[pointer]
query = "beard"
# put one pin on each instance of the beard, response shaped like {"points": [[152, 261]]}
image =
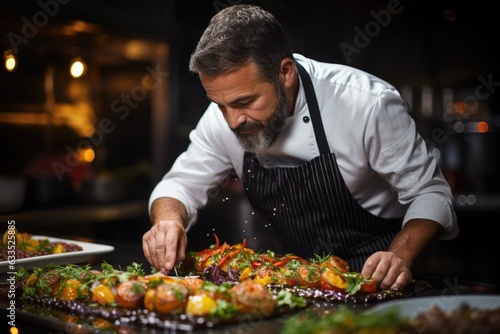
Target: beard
{"points": [[266, 133]]}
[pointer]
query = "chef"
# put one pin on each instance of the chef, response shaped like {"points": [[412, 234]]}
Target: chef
{"points": [[328, 154]]}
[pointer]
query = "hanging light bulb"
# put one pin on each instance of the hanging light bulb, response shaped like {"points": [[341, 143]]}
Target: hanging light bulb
{"points": [[10, 60], [77, 68]]}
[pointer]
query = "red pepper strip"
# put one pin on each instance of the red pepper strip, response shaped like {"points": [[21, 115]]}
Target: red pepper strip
{"points": [[221, 249], [233, 253], [287, 259], [255, 264], [267, 258], [208, 250], [224, 247], [217, 243], [282, 262], [244, 244], [209, 255]]}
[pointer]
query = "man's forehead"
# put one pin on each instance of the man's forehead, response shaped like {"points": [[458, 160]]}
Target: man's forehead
{"points": [[236, 84]]}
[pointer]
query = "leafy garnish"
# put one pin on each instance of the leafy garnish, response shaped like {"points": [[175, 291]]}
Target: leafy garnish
{"points": [[354, 281], [285, 297], [224, 309]]}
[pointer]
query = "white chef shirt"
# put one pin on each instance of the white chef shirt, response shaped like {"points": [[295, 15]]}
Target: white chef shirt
{"points": [[383, 160]]}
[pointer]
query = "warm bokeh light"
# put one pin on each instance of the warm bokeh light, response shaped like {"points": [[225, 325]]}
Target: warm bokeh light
{"points": [[10, 61], [78, 68], [86, 154], [460, 107], [482, 127]]}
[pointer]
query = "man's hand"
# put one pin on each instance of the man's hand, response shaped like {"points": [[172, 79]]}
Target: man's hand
{"points": [[165, 244], [392, 268], [388, 270]]}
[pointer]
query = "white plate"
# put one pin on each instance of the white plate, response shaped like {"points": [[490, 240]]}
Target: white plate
{"points": [[412, 306], [89, 251]]}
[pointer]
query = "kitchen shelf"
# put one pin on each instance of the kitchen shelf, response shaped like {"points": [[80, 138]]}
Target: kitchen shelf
{"points": [[80, 214]]}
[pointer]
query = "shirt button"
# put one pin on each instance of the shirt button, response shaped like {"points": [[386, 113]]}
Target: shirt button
{"points": [[306, 119]]}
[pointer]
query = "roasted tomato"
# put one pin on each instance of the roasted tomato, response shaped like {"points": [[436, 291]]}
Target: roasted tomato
{"points": [[32, 279], [332, 280], [281, 276], [369, 286], [71, 290], [102, 294], [309, 275], [200, 304], [193, 283], [130, 294], [251, 297], [148, 299], [282, 279], [170, 297], [335, 262]]}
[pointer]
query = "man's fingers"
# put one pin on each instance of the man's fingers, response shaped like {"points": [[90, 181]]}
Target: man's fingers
{"points": [[174, 245], [404, 278]]}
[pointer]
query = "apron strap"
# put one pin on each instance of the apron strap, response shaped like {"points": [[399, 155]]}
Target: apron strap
{"points": [[312, 103]]}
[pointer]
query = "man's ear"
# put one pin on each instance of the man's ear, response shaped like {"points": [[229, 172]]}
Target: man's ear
{"points": [[287, 72]]}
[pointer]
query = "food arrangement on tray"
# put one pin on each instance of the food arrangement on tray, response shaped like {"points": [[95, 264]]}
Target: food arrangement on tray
{"points": [[327, 278], [222, 284], [103, 298]]}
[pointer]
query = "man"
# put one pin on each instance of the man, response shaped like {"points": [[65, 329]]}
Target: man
{"points": [[327, 153]]}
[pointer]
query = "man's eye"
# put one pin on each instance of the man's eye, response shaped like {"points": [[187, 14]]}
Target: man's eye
{"points": [[243, 104]]}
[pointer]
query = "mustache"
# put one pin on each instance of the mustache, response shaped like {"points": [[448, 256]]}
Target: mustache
{"points": [[249, 126]]}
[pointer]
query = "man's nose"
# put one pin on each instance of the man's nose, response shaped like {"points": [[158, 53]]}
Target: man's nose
{"points": [[234, 117]]}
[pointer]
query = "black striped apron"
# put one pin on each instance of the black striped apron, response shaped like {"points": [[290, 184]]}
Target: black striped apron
{"points": [[310, 208]]}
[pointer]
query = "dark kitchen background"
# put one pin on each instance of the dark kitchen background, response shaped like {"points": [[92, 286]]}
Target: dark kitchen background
{"points": [[79, 156]]}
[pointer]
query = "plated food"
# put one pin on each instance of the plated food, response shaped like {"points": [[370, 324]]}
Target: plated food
{"points": [[471, 314], [23, 245], [134, 298], [323, 277], [27, 251]]}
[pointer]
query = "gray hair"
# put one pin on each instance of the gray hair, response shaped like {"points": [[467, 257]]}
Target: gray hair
{"points": [[239, 34]]}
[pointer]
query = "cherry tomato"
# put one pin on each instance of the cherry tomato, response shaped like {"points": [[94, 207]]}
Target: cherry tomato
{"points": [[251, 297], [193, 283], [285, 280], [265, 271], [103, 294], [370, 286], [170, 297], [200, 304], [70, 290], [278, 277], [332, 280], [309, 276], [335, 262], [130, 294], [32, 279], [148, 299]]}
